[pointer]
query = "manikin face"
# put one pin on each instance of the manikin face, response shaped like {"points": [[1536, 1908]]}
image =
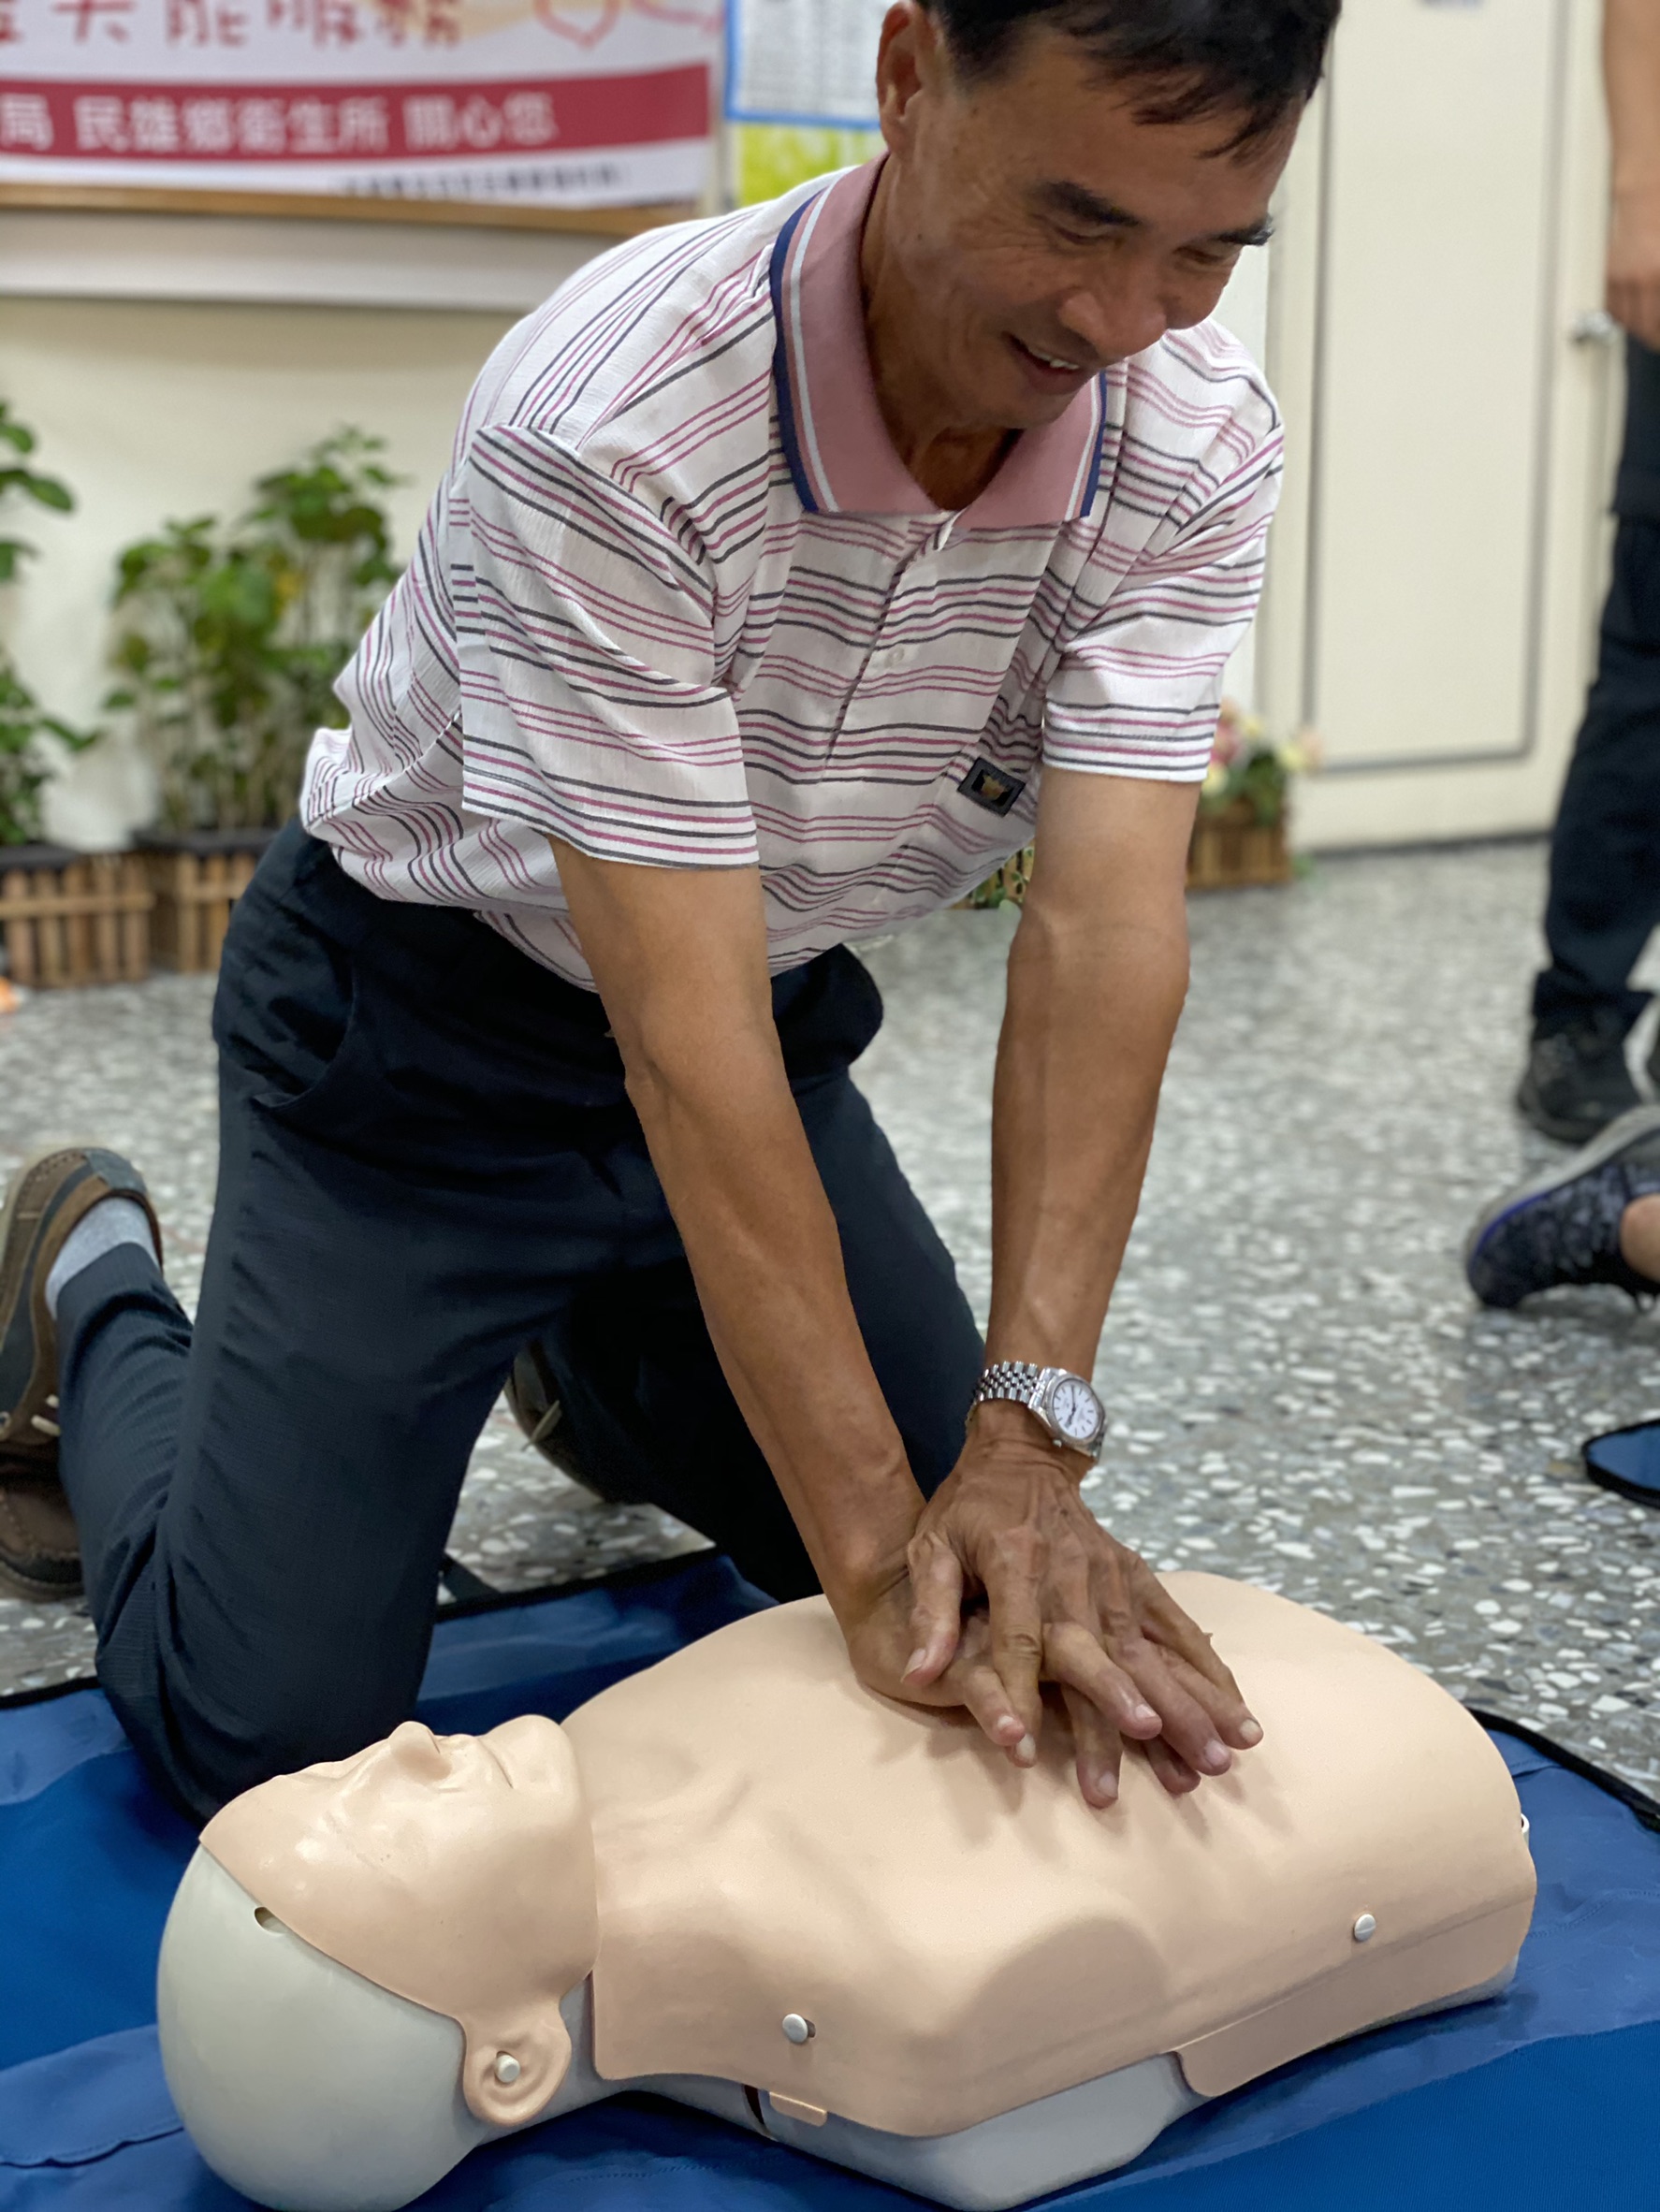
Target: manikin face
{"points": [[455, 1871], [416, 1787], [1043, 228]]}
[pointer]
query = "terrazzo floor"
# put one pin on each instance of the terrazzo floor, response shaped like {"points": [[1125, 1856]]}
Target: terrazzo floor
{"points": [[1301, 1390]]}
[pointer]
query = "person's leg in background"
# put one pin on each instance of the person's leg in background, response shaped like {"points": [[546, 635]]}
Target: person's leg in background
{"points": [[1639, 1236], [1595, 1219], [1592, 1218], [1603, 900], [645, 1412]]}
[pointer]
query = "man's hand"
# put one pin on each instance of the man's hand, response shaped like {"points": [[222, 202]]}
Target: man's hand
{"points": [[1065, 1604]]}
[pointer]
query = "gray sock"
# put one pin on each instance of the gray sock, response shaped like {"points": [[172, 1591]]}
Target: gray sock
{"points": [[111, 1222]]}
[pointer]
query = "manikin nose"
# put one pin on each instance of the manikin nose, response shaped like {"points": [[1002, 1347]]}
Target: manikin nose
{"points": [[414, 1746]]}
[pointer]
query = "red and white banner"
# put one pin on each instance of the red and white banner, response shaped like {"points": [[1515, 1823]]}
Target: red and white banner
{"points": [[561, 102]]}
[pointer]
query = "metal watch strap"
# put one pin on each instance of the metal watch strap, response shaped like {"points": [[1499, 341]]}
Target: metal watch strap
{"points": [[1035, 1388], [1008, 1379]]}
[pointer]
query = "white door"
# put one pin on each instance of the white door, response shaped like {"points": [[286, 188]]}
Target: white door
{"points": [[1434, 577]]}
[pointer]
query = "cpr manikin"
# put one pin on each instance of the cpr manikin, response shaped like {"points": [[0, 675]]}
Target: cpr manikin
{"points": [[744, 1880]]}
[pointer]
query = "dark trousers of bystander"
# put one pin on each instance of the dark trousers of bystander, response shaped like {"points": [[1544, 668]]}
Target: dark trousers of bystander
{"points": [[427, 1158], [1605, 855]]}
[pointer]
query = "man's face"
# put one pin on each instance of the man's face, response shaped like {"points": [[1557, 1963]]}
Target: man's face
{"points": [[1044, 231]]}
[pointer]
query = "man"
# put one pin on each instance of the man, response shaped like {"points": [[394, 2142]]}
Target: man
{"points": [[793, 567], [1604, 899]]}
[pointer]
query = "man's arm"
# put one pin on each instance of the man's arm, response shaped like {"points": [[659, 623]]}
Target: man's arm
{"points": [[680, 956], [1097, 978], [1631, 73]]}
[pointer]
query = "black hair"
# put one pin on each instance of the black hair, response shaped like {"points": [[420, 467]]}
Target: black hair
{"points": [[1259, 60]]}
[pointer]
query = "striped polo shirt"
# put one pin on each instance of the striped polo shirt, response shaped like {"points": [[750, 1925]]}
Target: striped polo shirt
{"points": [[679, 603]]}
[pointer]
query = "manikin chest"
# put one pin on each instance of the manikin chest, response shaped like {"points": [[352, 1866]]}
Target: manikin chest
{"points": [[774, 1844]]}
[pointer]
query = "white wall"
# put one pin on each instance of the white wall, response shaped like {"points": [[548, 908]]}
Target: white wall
{"points": [[152, 410]]}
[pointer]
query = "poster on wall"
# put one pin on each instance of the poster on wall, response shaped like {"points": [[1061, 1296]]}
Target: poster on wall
{"points": [[805, 62], [571, 103], [800, 90]]}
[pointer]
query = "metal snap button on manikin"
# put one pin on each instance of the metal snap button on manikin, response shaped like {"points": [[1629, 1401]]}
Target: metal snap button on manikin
{"points": [[507, 2069], [797, 2029], [1364, 1929]]}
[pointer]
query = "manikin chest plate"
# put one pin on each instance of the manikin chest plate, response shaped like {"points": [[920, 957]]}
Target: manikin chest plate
{"points": [[773, 1841]]}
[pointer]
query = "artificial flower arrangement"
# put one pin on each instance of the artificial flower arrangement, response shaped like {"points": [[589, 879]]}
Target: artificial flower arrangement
{"points": [[1247, 764]]}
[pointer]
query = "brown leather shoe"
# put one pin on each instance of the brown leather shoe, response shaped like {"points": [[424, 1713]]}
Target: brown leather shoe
{"points": [[40, 1550], [40, 1553]]}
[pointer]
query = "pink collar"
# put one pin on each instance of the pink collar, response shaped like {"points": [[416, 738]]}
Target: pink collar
{"points": [[835, 440]]}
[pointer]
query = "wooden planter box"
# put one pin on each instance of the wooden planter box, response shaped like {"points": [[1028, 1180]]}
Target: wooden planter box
{"points": [[69, 918], [196, 877], [1230, 849]]}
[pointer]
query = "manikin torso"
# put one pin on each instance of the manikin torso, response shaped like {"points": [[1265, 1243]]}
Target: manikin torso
{"points": [[740, 1878]]}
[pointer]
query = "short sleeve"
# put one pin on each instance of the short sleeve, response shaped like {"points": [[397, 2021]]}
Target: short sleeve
{"points": [[589, 707], [1137, 690]]}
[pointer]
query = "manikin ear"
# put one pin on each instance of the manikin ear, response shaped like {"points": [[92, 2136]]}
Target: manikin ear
{"points": [[507, 2077]]}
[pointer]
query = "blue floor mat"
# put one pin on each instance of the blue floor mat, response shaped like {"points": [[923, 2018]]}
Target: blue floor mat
{"points": [[1520, 2103]]}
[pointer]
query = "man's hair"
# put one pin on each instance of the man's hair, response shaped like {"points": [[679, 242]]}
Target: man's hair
{"points": [[1259, 60]]}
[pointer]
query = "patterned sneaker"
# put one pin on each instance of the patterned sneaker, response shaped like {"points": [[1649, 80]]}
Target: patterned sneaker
{"points": [[1564, 1227], [40, 1552]]}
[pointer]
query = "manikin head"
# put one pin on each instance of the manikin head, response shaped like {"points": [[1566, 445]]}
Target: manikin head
{"points": [[409, 1919]]}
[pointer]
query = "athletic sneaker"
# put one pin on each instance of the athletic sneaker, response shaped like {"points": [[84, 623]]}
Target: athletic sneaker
{"points": [[40, 1551], [1564, 1227], [1575, 1081]]}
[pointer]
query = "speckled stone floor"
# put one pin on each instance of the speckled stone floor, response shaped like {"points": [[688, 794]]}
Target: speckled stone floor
{"points": [[1301, 1390]]}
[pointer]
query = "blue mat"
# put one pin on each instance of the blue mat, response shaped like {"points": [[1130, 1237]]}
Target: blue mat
{"points": [[1522, 2103]]}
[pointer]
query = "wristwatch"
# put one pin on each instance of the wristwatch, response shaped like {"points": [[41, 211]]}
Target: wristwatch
{"points": [[1065, 1403]]}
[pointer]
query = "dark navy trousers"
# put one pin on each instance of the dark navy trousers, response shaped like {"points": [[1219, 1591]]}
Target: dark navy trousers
{"points": [[427, 1158], [1605, 854]]}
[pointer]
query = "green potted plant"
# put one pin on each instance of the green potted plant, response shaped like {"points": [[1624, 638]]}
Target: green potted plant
{"points": [[64, 916], [229, 641]]}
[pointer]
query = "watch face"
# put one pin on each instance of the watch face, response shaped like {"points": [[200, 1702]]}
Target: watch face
{"points": [[1075, 1409]]}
